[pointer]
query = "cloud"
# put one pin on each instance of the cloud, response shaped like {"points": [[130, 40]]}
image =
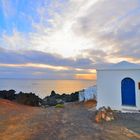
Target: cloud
{"points": [[38, 57], [37, 71], [76, 28], [16, 41], [114, 28], [56, 34], [28, 72], [76, 34], [37, 64]]}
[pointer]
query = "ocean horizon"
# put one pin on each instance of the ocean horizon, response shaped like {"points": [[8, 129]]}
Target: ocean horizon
{"points": [[43, 87]]}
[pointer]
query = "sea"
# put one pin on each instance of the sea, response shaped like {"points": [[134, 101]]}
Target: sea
{"points": [[43, 87]]}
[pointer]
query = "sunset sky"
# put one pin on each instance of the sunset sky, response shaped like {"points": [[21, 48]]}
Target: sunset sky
{"points": [[66, 39]]}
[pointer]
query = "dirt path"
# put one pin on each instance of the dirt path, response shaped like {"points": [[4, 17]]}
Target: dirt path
{"points": [[77, 123], [14, 120], [73, 122]]}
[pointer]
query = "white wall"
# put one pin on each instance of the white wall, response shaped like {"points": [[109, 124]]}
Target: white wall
{"points": [[109, 87], [88, 93]]}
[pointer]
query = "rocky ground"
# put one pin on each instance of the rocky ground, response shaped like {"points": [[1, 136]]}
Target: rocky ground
{"points": [[76, 121]]}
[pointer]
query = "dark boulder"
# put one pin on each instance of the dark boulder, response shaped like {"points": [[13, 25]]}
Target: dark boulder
{"points": [[53, 93], [74, 96], [9, 95], [60, 101], [66, 97], [50, 101], [70, 97], [22, 98], [54, 98], [28, 99]]}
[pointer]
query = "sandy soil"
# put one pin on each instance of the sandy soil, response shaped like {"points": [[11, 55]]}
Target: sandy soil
{"points": [[73, 122]]}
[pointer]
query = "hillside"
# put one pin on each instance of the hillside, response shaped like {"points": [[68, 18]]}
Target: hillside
{"points": [[73, 122]]}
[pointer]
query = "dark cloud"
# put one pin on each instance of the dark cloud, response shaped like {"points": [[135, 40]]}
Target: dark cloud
{"points": [[11, 57], [29, 72], [38, 57]]}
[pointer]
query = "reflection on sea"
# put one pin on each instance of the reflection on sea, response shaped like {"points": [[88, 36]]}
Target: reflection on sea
{"points": [[44, 87]]}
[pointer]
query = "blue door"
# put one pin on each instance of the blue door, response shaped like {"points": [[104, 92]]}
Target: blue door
{"points": [[128, 92]]}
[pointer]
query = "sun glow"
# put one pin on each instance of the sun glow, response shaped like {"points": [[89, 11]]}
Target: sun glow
{"points": [[35, 66], [67, 43], [86, 76]]}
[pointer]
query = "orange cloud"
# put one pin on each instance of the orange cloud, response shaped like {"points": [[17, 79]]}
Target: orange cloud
{"points": [[35, 66], [86, 76]]}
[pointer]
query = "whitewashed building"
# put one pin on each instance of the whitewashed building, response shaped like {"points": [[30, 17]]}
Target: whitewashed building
{"points": [[87, 93], [118, 87]]}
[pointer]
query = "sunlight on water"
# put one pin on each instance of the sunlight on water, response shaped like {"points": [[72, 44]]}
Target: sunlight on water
{"points": [[44, 87]]}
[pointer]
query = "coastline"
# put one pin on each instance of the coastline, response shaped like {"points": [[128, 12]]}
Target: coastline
{"points": [[43, 88], [33, 100]]}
